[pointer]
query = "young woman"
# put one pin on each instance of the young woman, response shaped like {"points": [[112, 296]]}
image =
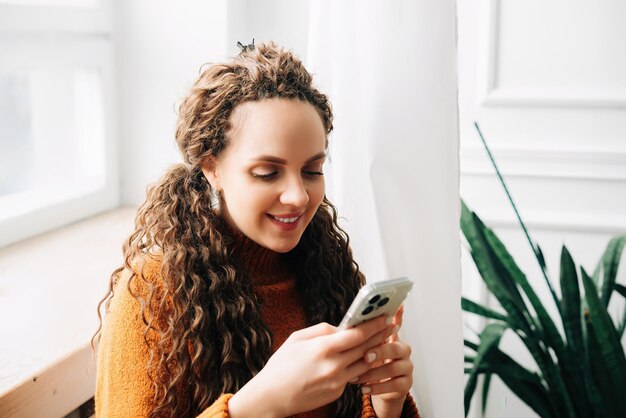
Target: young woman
{"points": [[237, 273]]}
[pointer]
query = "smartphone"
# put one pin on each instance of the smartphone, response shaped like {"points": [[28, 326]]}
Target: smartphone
{"points": [[376, 299]]}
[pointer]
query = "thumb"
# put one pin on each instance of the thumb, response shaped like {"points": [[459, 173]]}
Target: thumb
{"points": [[397, 320], [323, 328]]}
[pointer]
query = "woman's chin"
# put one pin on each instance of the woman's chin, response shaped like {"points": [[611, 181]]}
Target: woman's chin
{"points": [[282, 244], [282, 247]]}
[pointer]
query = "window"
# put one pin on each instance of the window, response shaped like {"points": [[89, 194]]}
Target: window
{"points": [[57, 142]]}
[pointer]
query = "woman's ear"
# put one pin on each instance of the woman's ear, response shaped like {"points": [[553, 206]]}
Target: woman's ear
{"points": [[209, 169]]}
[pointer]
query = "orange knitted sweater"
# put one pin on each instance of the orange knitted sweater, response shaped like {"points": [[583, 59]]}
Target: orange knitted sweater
{"points": [[123, 388]]}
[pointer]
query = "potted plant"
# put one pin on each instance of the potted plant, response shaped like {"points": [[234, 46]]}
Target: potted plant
{"points": [[581, 371]]}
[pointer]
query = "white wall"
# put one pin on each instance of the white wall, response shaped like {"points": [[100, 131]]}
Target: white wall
{"points": [[160, 48], [547, 83], [284, 22]]}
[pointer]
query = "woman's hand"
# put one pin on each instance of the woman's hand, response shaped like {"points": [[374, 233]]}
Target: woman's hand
{"points": [[309, 370], [391, 378]]}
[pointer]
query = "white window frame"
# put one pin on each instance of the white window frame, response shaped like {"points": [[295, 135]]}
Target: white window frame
{"points": [[65, 33]]}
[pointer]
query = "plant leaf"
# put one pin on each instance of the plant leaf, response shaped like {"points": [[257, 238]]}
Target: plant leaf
{"points": [[469, 359], [499, 284], [603, 400], [476, 308], [489, 339], [540, 258], [470, 344], [486, 262], [534, 247], [485, 394], [500, 274], [526, 385], [571, 313], [608, 342], [571, 303], [570, 390], [610, 261], [622, 291]]}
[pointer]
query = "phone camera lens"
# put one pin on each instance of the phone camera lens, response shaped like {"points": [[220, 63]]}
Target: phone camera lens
{"points": [[367, 310], [374, 299], [383, 302]]}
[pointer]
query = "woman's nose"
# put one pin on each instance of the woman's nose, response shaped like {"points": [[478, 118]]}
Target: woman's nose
{"points": [[295, 194]]}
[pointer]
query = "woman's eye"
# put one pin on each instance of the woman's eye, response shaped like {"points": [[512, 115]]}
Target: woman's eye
{"points": [[264, 176], [274, 174]]}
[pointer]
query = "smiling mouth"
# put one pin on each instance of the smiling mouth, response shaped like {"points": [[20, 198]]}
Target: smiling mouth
{"points": [[289, 220]]}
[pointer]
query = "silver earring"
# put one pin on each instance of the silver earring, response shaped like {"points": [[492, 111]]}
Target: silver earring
{"points": [[216, 200]]}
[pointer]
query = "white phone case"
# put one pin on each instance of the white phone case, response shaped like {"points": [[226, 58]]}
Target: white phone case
{"points": [[377, 299]]}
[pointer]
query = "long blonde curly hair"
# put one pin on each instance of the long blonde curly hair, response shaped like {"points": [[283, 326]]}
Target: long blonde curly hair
{"points": [[214, 340]]}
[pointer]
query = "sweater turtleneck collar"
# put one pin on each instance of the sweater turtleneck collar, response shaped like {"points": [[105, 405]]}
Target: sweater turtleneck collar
{"points": [[263, 266]]}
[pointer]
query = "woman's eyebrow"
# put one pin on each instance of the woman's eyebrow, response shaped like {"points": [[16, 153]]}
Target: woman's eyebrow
{"points": [[317, 156], [277, 160]]}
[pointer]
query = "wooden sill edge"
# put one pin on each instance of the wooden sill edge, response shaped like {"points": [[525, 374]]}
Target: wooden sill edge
{"points": [[56, 391]]}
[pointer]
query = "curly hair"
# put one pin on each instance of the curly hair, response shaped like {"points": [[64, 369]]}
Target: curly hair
{"points": [[213, 340]]}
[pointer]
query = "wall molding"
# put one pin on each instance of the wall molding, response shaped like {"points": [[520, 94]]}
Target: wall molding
{"points": [[512, 97], [568, 164], [552, 221], [492, 94]]}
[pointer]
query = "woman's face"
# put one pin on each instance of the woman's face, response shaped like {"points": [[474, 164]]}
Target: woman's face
{"points": [[270, 174]]}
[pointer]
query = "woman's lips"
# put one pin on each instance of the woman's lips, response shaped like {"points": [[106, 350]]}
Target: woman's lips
{"points": [[286, 222]]}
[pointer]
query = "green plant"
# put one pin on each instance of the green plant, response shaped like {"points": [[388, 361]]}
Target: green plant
{"points": [[581, 371]]}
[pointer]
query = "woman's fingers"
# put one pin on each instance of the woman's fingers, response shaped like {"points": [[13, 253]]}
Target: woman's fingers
{"points": [[397, 320], [313, 331], [356, 370], [357, 352], [399, 385], [360, 370], [389, 351], [386, 361], [390, 370], [347, 348], [394, 376], [344, 340], [358, 334]]}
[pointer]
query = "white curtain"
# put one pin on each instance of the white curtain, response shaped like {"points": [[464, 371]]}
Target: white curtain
{"points": [[390, 70]]}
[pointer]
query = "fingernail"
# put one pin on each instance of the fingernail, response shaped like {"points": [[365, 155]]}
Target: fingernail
{"points": [[395, 329], [366, 389], [356, 379], [371, 356]]}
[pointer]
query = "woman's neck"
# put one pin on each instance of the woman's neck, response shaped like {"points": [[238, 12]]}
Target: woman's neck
{"points": [[262, 265]]}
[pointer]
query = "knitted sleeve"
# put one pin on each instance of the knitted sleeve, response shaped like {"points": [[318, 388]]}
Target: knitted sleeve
{"points": [[409, 409], [219, 409], [122, 384], [123, 387]]}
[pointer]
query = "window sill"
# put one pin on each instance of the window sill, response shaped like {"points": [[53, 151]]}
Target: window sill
{"points": [[50, 286]]}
